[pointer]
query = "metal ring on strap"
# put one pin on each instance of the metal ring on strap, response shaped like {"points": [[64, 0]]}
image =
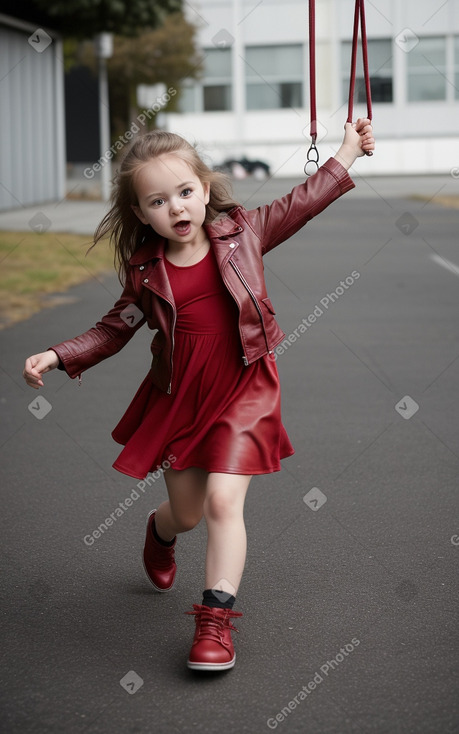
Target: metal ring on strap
{"points": [[312, 160]]}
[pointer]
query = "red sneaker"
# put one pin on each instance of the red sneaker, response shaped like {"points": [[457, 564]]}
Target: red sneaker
{"points": [[212, 647], [158, 560]]}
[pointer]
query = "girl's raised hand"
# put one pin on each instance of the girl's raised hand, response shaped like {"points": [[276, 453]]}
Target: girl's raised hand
{"points": [[37, 365], [365, 142], [358, 140]]}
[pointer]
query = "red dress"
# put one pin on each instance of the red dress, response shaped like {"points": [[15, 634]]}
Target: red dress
{"points": [[212, 417]]}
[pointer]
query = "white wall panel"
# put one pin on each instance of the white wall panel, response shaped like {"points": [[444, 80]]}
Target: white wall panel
{"points": [[32, 158]]}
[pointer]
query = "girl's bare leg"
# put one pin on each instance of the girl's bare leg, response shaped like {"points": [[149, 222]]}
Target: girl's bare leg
{"points": [[184, 508], [227, 540]]}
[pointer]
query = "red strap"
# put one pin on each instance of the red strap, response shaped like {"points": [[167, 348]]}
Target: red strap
{"points": [[366, 67], [359, 14], [312, 68]]}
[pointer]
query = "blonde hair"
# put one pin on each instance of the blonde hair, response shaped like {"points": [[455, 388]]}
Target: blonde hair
{"points": [[126, 231]]}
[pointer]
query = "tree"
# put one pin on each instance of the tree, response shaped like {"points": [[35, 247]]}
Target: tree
{"points": [[87, 18], [166, 55]]}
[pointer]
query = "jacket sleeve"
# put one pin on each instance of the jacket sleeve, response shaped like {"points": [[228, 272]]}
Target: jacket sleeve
{"points": [[276, 222], [106, 338]]}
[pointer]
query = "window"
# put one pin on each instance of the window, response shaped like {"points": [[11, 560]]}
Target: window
{"points": [[189, 97], [212, 93], [217, 80], [274, 77], [217, 98], [426, 64], [380, 65]]}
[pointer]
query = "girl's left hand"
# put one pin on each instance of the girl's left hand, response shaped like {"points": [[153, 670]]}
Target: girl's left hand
{"points": [[358, 140], [359, 135]]}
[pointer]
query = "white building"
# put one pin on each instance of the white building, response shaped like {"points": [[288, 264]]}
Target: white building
{"points": [[253, 98]]}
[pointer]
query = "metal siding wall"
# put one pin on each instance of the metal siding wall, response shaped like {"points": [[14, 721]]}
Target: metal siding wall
{"points": [[59, 142], [5, 127], [32, 152]]}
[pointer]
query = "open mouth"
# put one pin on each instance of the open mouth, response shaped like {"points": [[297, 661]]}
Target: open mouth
{"points": [[183, 227]]}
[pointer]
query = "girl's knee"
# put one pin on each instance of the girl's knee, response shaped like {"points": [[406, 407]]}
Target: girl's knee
{"points": [[221, 505], [187, 522]]}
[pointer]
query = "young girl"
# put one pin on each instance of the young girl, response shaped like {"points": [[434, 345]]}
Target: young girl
{"points": [[208, 412]]}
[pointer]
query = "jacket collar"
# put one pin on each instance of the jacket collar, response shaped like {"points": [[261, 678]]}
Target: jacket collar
{"points": [[152, 248], [222, 226]]}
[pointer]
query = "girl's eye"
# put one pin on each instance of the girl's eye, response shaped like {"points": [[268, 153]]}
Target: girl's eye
{"points": [[187, 192], [158, 202]]}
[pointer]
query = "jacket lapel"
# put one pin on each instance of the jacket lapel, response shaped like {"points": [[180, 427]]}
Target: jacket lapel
{"points": [[220, 233], [150, 258]]}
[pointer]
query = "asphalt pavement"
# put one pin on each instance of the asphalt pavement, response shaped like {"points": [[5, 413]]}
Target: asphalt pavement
{"points": [[350, 590]]}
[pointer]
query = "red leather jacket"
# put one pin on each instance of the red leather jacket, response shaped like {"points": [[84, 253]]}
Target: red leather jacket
{"points": [[239, 240]]}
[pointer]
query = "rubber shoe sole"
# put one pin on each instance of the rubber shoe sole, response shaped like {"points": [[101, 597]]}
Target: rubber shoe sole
{"points": [[213, 666]]}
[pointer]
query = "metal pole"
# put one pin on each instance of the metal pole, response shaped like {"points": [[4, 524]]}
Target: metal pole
{"points": [[104, 48], [104, 127]]}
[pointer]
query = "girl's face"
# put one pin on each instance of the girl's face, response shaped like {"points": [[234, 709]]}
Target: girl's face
{"points": [[171, 199]]}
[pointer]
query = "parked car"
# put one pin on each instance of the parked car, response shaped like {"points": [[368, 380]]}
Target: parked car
{"points": [[241, 168]]}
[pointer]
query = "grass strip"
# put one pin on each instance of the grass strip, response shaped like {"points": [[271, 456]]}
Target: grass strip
{"points": [[37, 269]]}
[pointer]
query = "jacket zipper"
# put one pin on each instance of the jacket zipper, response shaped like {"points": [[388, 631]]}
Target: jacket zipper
{"points": [[244, 358], [254, 299], [169, 389]]}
